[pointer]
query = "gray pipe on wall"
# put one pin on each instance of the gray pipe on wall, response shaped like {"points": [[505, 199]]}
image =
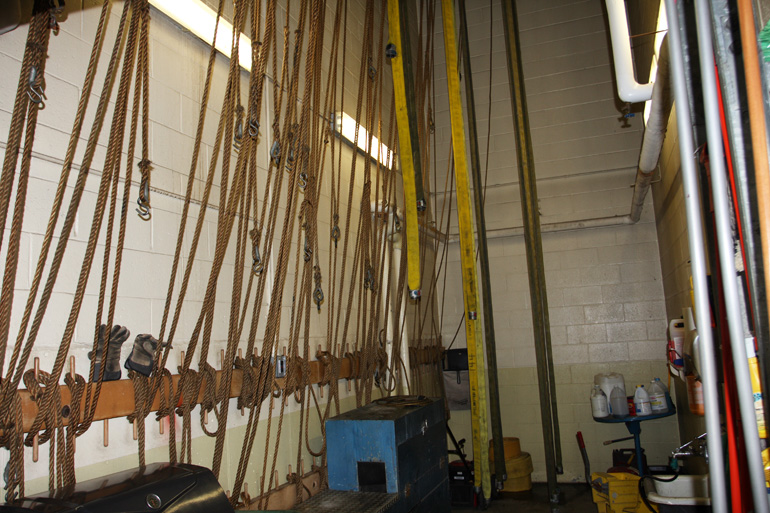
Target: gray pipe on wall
{"points": [[654, 133]]}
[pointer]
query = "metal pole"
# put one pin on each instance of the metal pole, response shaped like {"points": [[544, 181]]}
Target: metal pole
{"points": [[734, 105], [726, 248], [535, 266], [481, 231], [698, 264]]}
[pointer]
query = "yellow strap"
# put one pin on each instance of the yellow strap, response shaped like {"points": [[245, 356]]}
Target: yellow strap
{"points": [[476, 368], [405, 151]]}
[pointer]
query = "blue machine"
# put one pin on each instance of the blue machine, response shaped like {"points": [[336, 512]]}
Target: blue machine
{"points": [[396, 445]]}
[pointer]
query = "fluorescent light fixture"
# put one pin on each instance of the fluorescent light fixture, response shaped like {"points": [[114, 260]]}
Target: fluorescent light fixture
{"points": [[200, 19], [660, 31], [346, 127]]}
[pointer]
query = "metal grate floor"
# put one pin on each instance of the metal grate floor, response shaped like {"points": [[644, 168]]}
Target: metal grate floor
{"points": [[336, 501]]}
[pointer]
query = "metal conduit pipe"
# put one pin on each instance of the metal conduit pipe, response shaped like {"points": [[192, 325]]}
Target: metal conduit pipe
{"points": [[654, 133], [534, 250], [726, 248], [698, 262]]}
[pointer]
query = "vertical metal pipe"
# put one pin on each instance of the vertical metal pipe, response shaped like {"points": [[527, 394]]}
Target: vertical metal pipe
{"points": [[726, 248], [698, 263], [533, 240], [734, 105], [481, 232]]}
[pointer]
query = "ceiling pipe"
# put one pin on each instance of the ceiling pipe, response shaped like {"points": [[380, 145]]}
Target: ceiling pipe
{"points": [[629, 90], [652, 142], [654, 133]]}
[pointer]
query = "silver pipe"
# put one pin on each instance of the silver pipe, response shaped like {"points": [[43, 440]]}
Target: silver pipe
{"points": [[726, 248], [698, 262], [564, 226]]}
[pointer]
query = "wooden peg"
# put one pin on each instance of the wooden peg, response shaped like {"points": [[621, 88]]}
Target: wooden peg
{"points": [[136, 430], [222, 359], [227, 493], [205, 416], [106, 432], [240, 355], [36, 438], [72, 367], [289, 470], [245, 494], [275, 478], [160, 425], [302, 467]]}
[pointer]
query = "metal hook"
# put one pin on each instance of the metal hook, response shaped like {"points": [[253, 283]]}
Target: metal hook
{"points": [[290, 160], [335, 231], [308, 250], [238, 137], [275, 152], [318, 294], [143, 201], [35, 93], [369, 280], [256, 266], [302, 181], [253, 127]]}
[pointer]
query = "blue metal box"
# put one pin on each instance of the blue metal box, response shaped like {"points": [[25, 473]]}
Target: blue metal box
{"points": [[395, 445]]}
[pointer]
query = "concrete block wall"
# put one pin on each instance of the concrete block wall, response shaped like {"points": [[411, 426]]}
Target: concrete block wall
{"points": [[177, 73], [605, 291], [675, 255]]}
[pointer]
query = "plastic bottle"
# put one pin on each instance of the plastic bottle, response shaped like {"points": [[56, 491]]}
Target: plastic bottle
{"points": [[658, 401], [599, 406], [642, 401], [618, 403]]}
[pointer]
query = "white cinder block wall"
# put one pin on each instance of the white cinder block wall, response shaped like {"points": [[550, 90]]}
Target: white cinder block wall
{"points": [[605, 293], [177, 72]]}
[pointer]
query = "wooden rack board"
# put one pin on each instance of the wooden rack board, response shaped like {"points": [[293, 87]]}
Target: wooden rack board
{"points": [[117, 397]]}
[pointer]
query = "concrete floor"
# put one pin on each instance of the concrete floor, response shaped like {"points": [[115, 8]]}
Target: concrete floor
{"points": [[577, 499]]}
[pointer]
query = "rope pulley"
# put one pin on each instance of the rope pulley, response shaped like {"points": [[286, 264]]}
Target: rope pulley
{"points": [[143, 201], [372, 70], [318, 294]]}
